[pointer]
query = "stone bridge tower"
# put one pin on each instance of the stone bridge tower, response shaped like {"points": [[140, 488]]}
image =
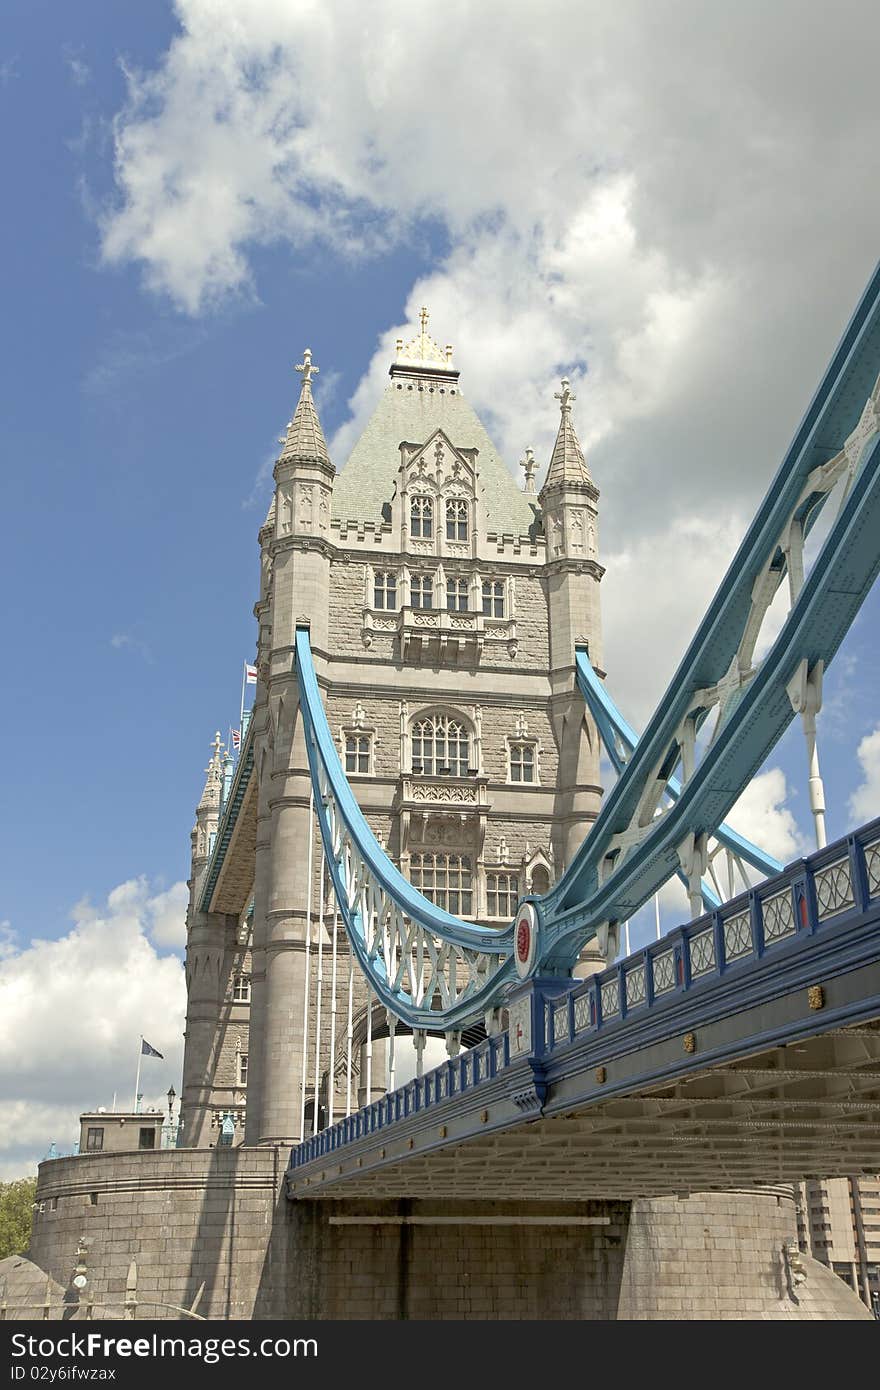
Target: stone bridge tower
{"points": [[444, 603]]}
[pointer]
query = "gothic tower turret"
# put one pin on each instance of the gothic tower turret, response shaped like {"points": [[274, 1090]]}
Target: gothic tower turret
{"points": [[208, 941], [296, 586], [569, 501]]}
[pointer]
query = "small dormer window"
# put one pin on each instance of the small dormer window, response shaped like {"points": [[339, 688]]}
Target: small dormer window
{"points": [[456, 595], [493, 598], [385, 590], [456, 520], [421, 518]]}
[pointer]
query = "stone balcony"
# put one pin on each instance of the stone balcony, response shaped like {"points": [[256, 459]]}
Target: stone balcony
{"points": [[434, 634], [432, 800]]}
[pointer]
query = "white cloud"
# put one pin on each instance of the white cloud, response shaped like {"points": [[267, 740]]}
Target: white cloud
{"points": [[763, 817], [121, 641], [864, 804], [167, 914], [80, 72], [640, 196], [72, 1010]]}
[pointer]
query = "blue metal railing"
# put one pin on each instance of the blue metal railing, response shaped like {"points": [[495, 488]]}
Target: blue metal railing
{"points": [[810, 899]]}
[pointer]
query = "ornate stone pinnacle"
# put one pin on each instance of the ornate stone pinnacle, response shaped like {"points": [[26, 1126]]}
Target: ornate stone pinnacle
{"points": [[305, 366], [566, 395], [423, 350], [530, 468], [216, 745]]}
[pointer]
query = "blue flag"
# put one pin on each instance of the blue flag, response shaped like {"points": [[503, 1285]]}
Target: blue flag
{"points": [[147, 1051]]}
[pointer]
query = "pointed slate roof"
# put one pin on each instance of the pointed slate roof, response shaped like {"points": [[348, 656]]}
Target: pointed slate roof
{"points": [[406, 413], [567, 462], [422, 397], [305, 439]]}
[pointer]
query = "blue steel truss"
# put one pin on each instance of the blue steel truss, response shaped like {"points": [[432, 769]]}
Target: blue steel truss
{"points": [[620, 741], [433, 970]]}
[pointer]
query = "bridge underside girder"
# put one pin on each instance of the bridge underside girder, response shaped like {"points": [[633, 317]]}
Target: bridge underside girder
{"points": [[808, 1109]]}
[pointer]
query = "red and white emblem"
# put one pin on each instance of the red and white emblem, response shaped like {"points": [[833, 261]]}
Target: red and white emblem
{"points": [[525, 939]]}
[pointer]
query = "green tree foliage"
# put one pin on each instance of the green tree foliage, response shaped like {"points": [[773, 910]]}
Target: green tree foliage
{"points": [[16, 1215]]}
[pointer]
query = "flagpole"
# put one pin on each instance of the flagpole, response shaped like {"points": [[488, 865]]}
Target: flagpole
{"points": [[241, 705], [137, 1083]]}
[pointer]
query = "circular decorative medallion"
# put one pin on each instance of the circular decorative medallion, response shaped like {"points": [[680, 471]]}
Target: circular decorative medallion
{"points": [[525, 939]]}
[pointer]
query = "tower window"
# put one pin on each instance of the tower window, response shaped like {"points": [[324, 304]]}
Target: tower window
{"points": [[385, 590], [146, 1138], [242, 1068], [241, 989], [421, 518], [422, 591], [522, 762], [445, 880], [502, 894], [493, 598], [94, 1139], [456, 595], [357, 753], [440, 746], [456, 520]]}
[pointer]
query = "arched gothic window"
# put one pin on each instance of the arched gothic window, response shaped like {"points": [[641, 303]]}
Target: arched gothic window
{"points": [[441, 746], [421, 518], [456, 519]]}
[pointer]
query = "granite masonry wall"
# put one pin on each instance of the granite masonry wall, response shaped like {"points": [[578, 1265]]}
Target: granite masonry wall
{"points": [[219, 1217]]}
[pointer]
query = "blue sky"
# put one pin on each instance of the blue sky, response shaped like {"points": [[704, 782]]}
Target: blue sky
{"points": [[196, 193]]}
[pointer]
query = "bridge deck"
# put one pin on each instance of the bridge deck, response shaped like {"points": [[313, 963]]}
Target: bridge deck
{"points": [[743, 1049]]}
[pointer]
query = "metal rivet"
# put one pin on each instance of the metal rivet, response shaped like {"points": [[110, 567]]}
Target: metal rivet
{"points": [[442, 1131], [484, 1116], [816, 997], [410, 1143], [601, 1074], [689, 1042]]}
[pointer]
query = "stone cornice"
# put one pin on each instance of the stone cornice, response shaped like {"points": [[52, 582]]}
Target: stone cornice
{"points": [[571, 565]]}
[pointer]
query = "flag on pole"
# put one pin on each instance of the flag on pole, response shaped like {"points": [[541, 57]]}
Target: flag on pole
{"points": [[148, 1051], [250, 674], [236, 737]]}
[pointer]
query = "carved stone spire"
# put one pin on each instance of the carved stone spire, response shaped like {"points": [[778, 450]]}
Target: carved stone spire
{"points": [[211, 794], [567, 463], [305, 439]]}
